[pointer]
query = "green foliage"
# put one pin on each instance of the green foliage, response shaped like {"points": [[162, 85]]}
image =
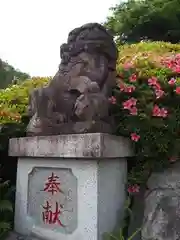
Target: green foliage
{"points": [[13, 122], [8, 75], [14, 100], [153, 122], [121, 237], [148, 76], [156, 20], [6, 209], [159, 136], [13, 109]]}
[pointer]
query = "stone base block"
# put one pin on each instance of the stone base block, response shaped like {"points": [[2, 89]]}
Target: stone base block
{"points": [[76, 191]]}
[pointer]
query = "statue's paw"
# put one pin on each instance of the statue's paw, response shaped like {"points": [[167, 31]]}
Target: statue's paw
{"points": [[94, 87], [81, 104], [61, 118]]}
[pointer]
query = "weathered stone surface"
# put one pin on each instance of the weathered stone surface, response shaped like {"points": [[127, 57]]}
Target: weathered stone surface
{"points": [[71, 146], [17, 236], [101, 182], [162, 206], [35, 235], [76, 99], [52, 199], [101, 197]]}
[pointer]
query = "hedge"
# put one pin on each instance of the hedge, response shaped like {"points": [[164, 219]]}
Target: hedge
{"points": [[146, 103]]}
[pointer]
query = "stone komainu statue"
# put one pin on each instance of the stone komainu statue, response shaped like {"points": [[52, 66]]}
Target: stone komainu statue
{"points": [[76, 99]]}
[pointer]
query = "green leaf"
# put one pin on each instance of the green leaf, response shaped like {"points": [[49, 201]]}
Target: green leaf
{"points": [[113, 237], [134, 234], [5, 205], [121, 237], [127, 202], [4, 184], [4, 226]]}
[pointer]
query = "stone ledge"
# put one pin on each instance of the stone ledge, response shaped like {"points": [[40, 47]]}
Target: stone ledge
{"points": [[17, 236], [93, 145]]}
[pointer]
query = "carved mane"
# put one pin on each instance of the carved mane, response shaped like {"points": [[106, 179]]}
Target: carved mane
{"points": [[81, 86]]}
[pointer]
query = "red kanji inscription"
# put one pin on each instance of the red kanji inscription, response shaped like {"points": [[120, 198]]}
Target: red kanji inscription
{"points": [[52, 185], [50, 217]]}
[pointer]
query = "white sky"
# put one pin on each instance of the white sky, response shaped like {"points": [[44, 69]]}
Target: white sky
{"points": [[31, 31]]}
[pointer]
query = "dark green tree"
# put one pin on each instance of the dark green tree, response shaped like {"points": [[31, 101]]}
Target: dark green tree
{"points": [[9, 75], [136, 20]]}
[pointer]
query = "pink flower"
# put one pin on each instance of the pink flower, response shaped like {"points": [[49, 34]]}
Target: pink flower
{"points": [[131, 106], [172, 81], [156, 111], [133, 78], [133, 101], [129, 89], [135, 137], [157, 86], [159, 112], [177, 90], [173, 63], [163, 112], [177, 69], [170, 65], [122, 87], [127, 66], [112, 100], [134, 188], [133, 111], [152, 81], [159, 93], [129, 103]]}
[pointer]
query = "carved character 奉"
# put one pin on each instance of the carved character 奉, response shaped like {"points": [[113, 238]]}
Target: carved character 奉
{"points": [[76, 99]]}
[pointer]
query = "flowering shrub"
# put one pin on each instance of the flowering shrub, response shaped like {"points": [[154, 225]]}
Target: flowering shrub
{"points": [[145, 102], [13, 112], [147, 105], [14, 100]]}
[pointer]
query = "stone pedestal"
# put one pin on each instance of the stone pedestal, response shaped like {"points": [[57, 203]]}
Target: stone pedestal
{"points": [[70, 187]]}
